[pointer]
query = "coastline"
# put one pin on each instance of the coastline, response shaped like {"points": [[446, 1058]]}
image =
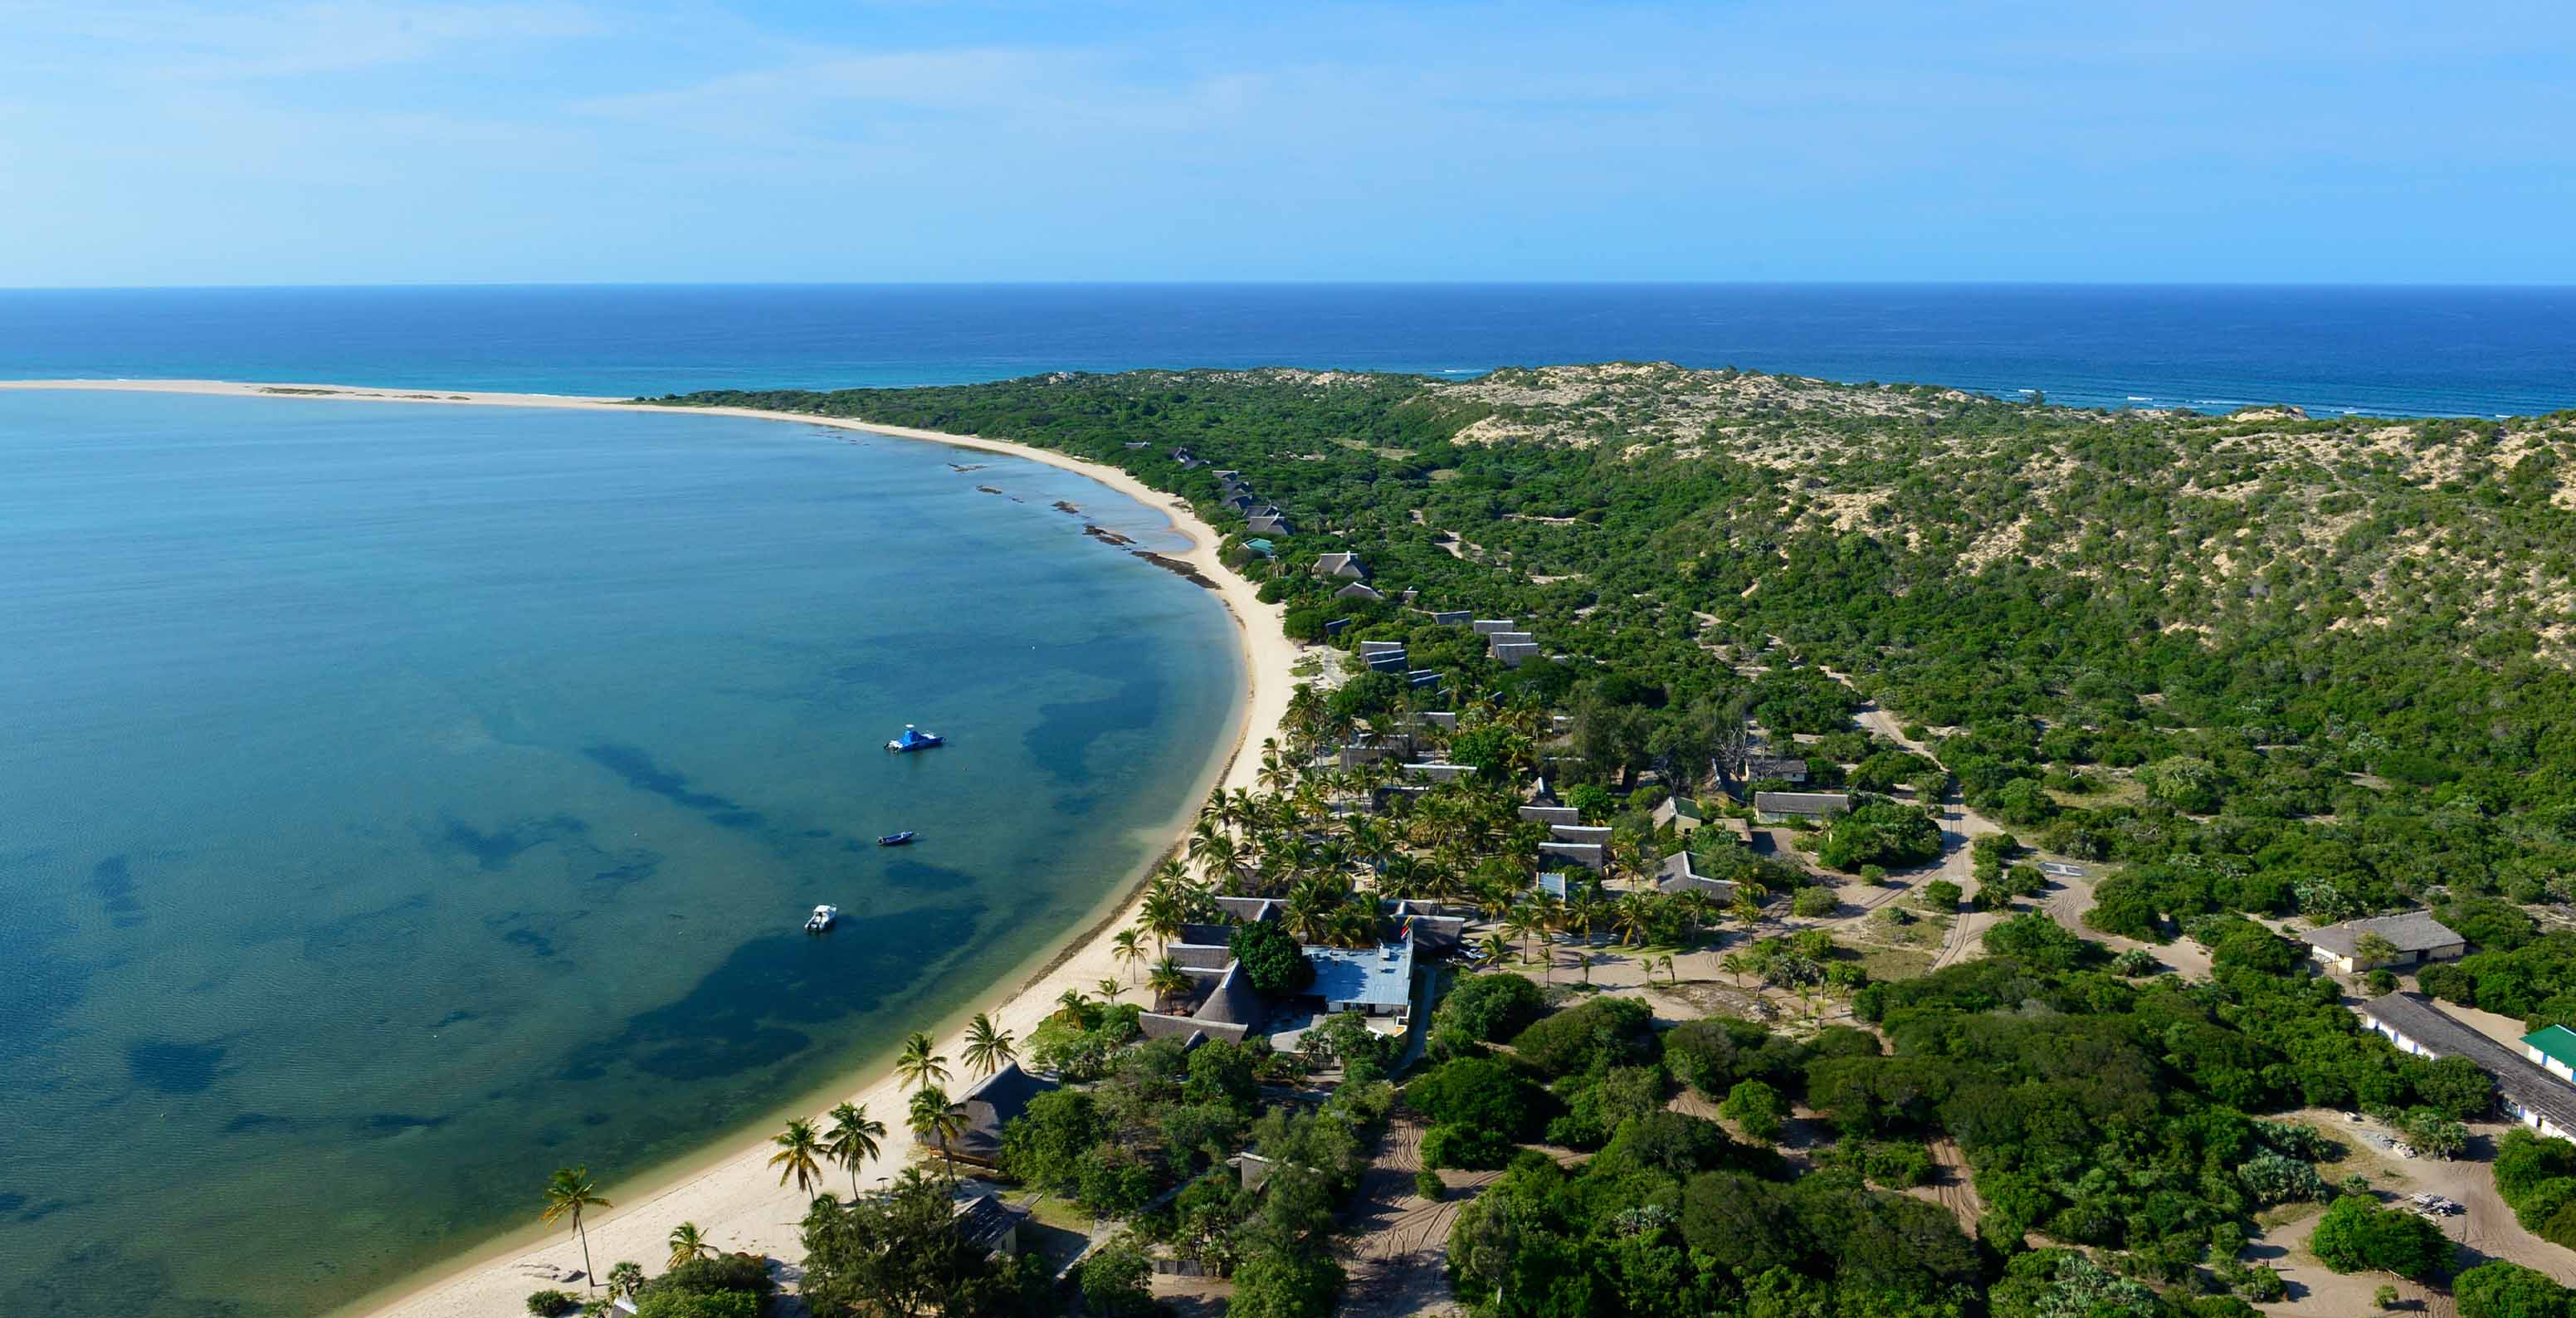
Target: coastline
{"points": [[726, 1187]]}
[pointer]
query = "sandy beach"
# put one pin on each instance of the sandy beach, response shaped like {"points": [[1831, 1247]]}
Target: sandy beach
{"points": [[729, 1191]]}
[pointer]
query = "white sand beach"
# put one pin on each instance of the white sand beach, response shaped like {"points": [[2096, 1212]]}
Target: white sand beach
{"points": [[730, 1192]]}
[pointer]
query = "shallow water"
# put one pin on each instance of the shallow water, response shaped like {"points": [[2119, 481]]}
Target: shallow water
{"points": [[398, 802]]}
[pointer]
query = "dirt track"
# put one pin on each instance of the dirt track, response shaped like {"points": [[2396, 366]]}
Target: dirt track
{"points": [[1395, 1245]]}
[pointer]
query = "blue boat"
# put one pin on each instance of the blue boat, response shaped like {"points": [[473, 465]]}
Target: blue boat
{"points": [[914, 739], [902, 839]]}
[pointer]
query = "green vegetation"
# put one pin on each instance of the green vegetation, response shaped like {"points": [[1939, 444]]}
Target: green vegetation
{"points": [[1272, 958]]}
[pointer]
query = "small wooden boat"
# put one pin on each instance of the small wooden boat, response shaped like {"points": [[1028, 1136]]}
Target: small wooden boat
{"points": [[902, 839]]}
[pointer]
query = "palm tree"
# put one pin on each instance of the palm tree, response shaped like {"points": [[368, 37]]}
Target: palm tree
{"points": [[1128, 946], [1667, 961], [1163, 914], [1632, 916], [1521, 926], [989, 1047], [687, 1243], [625, 1280], [853, 1140], [798, 1148], [1734, 964], [919, 1065], [568, 1193], [1168, 981], [936, 1119], [1072, 1008], [1494, 946]]}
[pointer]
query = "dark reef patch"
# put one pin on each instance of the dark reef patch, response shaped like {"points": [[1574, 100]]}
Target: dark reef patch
{"points": [[914, 876], [170, 1067], [531, 940], [395, 1123], [497, 849], [744, 1014], [358, 935], [250, 1121], [643, 774], [112, 882]]}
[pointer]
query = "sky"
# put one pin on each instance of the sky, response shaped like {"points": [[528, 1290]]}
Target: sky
{"points": [[180, 142]]}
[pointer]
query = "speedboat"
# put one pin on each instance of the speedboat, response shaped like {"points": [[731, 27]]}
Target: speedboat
{"points": [[914, 739], [822, 919], [903, 838]]}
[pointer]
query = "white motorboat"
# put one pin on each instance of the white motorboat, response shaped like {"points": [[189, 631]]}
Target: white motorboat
{"points": [[822, 919]]}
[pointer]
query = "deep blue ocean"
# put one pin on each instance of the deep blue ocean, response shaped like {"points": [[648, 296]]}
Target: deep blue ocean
{"points": [[2389, 351]]}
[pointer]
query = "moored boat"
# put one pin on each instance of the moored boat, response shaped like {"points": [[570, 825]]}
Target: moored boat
{"points": [[902, 839], [823, 918], [914, 739]]}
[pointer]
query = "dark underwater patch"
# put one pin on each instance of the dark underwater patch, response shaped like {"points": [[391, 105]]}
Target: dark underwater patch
{"points": [[250, 1121], [914, 876], [169, 1067], [745, 1013], [395, 1123], [531, 940], [1062, 738], [644, 775], [497, 849], [357, 935], [112, 881], [638, 866]]}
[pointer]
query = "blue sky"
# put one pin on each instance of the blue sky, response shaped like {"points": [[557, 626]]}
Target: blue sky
{"points": [[361, 142]]}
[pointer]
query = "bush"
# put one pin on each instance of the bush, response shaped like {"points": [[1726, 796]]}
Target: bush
{"points": [[1115, 1280], [2358, 1235], [1483, 1009], [698, 1304], [1756, 1108], [1427, 1184], [2510, 1290], [1880, 833], [2035, 939], [1468, 1147], [1479, 1107], [1603, 1031], [1712, 1054], [1271, 958], [548, 1304], [720, 1272], [2255, 1282], [1814, 901], [1942, 895]]}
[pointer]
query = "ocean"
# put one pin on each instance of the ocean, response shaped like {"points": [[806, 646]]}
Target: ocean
{"points": [[2387, 351], [404, 801]]}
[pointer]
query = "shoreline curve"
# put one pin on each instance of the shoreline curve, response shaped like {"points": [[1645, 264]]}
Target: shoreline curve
{"points": [[725, 1186]]}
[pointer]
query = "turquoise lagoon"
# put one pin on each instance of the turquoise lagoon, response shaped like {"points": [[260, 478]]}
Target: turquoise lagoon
{"points": [[400, 801]]}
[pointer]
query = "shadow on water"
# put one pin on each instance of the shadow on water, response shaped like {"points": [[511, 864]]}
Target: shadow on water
{"points": [[169, 1067], [1062, 738], [745, 1014], [495, 850]]}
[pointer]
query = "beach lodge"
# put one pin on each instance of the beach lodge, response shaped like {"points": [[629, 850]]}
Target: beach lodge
{"points": [[1377, 981], [1780, 807], [2416, 936], [1680, 874], [993, 1101], [2535, 1096], [1680, 813]]}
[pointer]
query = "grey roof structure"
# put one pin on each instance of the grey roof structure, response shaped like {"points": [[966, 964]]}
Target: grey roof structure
{"points": [[1679, 875], [1802, 803], [1268, 524], [1445, 720], [1577, 833], [986, 1223], [1489, 626], [993, 1100], [2413, 931], [1433, 933], [1373, 976], [1586, 854], [1215, 955], [1552, 815], [1513, 656], [1234, 1001], [1247, 910], [1789, 768], [2437, 1033], [1451, 617], [1340, 565], [1359, 591]]}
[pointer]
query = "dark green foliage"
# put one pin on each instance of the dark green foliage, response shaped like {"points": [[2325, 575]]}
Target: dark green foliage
{"points": [[1478, 1107], [2357, 1235], [1483, 1009], [2039, 941], [549, 1304], [1881, 833], [1756, 1109], [2510, 1290], [698, 1304], [1114, 1280], [1600, 1032], [1043, 1147], [1271, 958], [899, 1253], [1428, 1185]]}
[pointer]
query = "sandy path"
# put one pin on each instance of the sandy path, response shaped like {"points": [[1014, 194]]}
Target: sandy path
{"points": [[732, 1196], [1395, 1243]]}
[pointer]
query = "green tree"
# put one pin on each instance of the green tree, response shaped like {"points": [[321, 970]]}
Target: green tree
{"points": [[800, 1154], [688, 1244], [989, 1047], [1756, 1109], [937, 1120], [853, 1139], [569, 1193], [920, 1064]]}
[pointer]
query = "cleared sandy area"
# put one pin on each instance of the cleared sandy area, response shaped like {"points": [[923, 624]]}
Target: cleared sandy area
{"points": [[730, 1193]]}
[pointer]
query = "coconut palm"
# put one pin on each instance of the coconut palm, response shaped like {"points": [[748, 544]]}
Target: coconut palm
{"points": [[625, 1280], [687, 1243], [853, 1140], [989, 1047], [1162, 915], [936, 1119], [800, 1154], [1666, 960], [1494, 946], [1168, 981], [919, 1065], [1128, 947], [569, 1192], [1072, 1008], [1633, 917]]}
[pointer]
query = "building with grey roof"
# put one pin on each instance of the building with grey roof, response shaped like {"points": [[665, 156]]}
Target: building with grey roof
{"points": [[1786, 768], [1269, 523], [1340, 565], [1375, 981], [1451, 617], [2416, 935], [1577, 833], [1360, 590], [1775, 807], [988, 1225], [1552, 815], [1586, 854], [1679, 874], [1489, 626], [2531, 1095], [1681, 813], [992, 1101], [1513, 656]]}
